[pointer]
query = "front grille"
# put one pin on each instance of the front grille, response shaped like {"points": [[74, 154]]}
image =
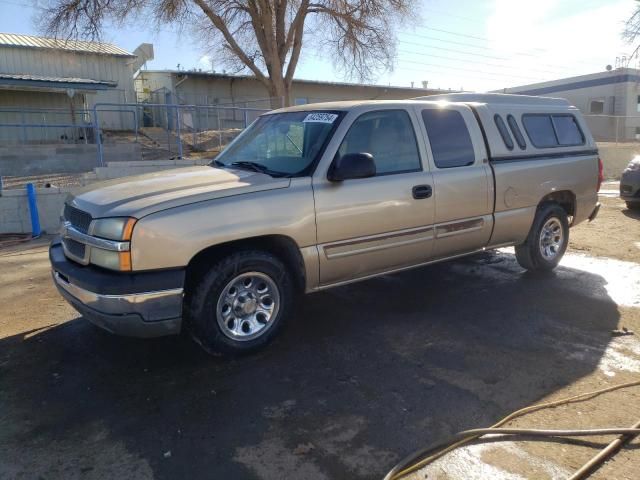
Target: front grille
{"points": [[75, 248], [79, 219]]}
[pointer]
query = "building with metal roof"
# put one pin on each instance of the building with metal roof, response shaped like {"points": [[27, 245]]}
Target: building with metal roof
{"points": [[206, 88], [47, 81], [69, 45]]}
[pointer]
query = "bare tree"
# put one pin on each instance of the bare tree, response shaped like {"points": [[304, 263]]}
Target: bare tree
{"points": [[631, 30], [264, 37]]}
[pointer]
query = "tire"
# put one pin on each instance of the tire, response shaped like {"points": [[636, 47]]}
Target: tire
{"points": [[240, 303], [547, 240], [633, 205]]}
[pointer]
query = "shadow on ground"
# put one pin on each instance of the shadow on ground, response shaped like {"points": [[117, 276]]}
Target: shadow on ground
{"points": [[363, 375], [632, 213]]}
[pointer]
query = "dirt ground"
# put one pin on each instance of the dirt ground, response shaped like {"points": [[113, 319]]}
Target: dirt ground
{"points": [[615, 233], [363, 375]]}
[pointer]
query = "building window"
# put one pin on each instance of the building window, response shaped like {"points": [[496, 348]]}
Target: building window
{"points": [[301, 101], [638, 104], [449, 137], [596, 107]]}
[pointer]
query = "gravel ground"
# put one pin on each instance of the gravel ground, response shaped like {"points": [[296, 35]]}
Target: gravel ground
{"points": [[363, 375]]}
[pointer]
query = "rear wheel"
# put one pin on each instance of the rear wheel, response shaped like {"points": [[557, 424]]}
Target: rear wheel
{"points": [[547, 240], [633, 205], [240, 303]]}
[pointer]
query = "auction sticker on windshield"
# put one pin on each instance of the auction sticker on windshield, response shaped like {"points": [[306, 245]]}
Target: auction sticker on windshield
{"points": [[321, 117]]}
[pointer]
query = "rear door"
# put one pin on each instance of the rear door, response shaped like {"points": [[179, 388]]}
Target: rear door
{"points": [[462, 179], [371, 225]]}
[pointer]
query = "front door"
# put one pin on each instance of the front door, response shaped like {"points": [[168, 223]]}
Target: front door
{"points": [[366, 226]]}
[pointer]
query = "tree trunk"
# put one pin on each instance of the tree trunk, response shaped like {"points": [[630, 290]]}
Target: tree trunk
{"points": [[279, 93]]}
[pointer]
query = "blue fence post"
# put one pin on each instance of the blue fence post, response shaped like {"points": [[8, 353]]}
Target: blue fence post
{"points": [[97, 133], [33, 211], [178, 131]]}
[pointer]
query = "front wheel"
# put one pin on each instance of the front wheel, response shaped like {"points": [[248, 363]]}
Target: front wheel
{"points": [[240, 303], [547, 240]]}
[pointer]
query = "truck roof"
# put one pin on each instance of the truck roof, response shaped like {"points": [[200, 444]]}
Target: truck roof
{"points": [[495, 98], [482, 98]]}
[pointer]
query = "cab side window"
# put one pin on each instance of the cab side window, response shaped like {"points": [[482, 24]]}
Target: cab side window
{"points": [[449, 137], [387, 135]]}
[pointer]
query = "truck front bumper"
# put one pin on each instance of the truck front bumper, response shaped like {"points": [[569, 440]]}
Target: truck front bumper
{"points": [[147, 304]]}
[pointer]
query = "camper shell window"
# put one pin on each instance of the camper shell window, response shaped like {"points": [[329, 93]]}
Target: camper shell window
{"points": [[552, 130]]}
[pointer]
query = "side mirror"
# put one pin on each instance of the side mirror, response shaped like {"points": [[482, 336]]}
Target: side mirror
{"points": [[352, 165]]}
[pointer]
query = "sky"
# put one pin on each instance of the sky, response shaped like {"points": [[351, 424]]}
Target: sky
{"points": [[452, 44]]}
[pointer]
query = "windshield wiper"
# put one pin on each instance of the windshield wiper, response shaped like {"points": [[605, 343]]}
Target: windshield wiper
{"points": [[256, 167]]}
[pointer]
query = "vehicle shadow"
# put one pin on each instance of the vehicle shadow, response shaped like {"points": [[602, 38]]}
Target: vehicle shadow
{"points": [[632, 212], [363, 375]]}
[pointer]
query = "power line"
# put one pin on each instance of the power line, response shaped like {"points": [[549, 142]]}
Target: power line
{"points": [[468, 70], [489, 64], [453, 50], [469, 79], [482, 47]]}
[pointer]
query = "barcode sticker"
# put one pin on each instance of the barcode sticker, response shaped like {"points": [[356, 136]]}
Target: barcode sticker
{"points": [[321, 117]]}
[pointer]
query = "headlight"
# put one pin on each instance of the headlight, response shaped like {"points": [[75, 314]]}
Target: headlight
{"points": [[119, 228]]}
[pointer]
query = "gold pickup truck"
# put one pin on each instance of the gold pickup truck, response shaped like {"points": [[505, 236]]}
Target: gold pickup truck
{"points": [[316, 196]]}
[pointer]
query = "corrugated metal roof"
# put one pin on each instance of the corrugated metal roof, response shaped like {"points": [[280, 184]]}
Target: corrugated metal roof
{"points": [[31, 41], [38, 78], [196, 73]]}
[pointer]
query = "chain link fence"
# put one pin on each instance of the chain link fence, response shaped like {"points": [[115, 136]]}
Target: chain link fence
{"points": [[47, 146], [614, 128], [175, 130]]}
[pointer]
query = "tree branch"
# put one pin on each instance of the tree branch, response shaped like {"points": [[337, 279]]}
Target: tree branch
{"points": [[222, 27]]}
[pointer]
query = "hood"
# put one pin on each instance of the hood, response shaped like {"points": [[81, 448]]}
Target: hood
{"points": [[141, 195]]}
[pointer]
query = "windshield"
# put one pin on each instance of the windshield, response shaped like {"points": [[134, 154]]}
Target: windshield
{"points": [[281, 144]]}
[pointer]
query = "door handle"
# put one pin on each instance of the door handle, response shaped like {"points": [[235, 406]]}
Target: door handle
{"points": [[422, 191]]}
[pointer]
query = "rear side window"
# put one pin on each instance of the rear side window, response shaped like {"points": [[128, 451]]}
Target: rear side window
{"points": [[567, 130], [449, 138], [515, 129], [540, 130], [553, 130], [504, 133]]}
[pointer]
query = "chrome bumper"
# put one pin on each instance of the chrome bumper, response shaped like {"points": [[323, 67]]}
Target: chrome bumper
{"points": [[147, 314]]}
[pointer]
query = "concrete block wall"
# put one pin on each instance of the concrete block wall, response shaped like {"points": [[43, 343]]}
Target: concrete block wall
{"points": [[25, 160], [14, 210]]}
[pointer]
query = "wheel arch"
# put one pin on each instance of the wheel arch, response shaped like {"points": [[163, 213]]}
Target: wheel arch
{"points": [[281, 246], [564, 198]]}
